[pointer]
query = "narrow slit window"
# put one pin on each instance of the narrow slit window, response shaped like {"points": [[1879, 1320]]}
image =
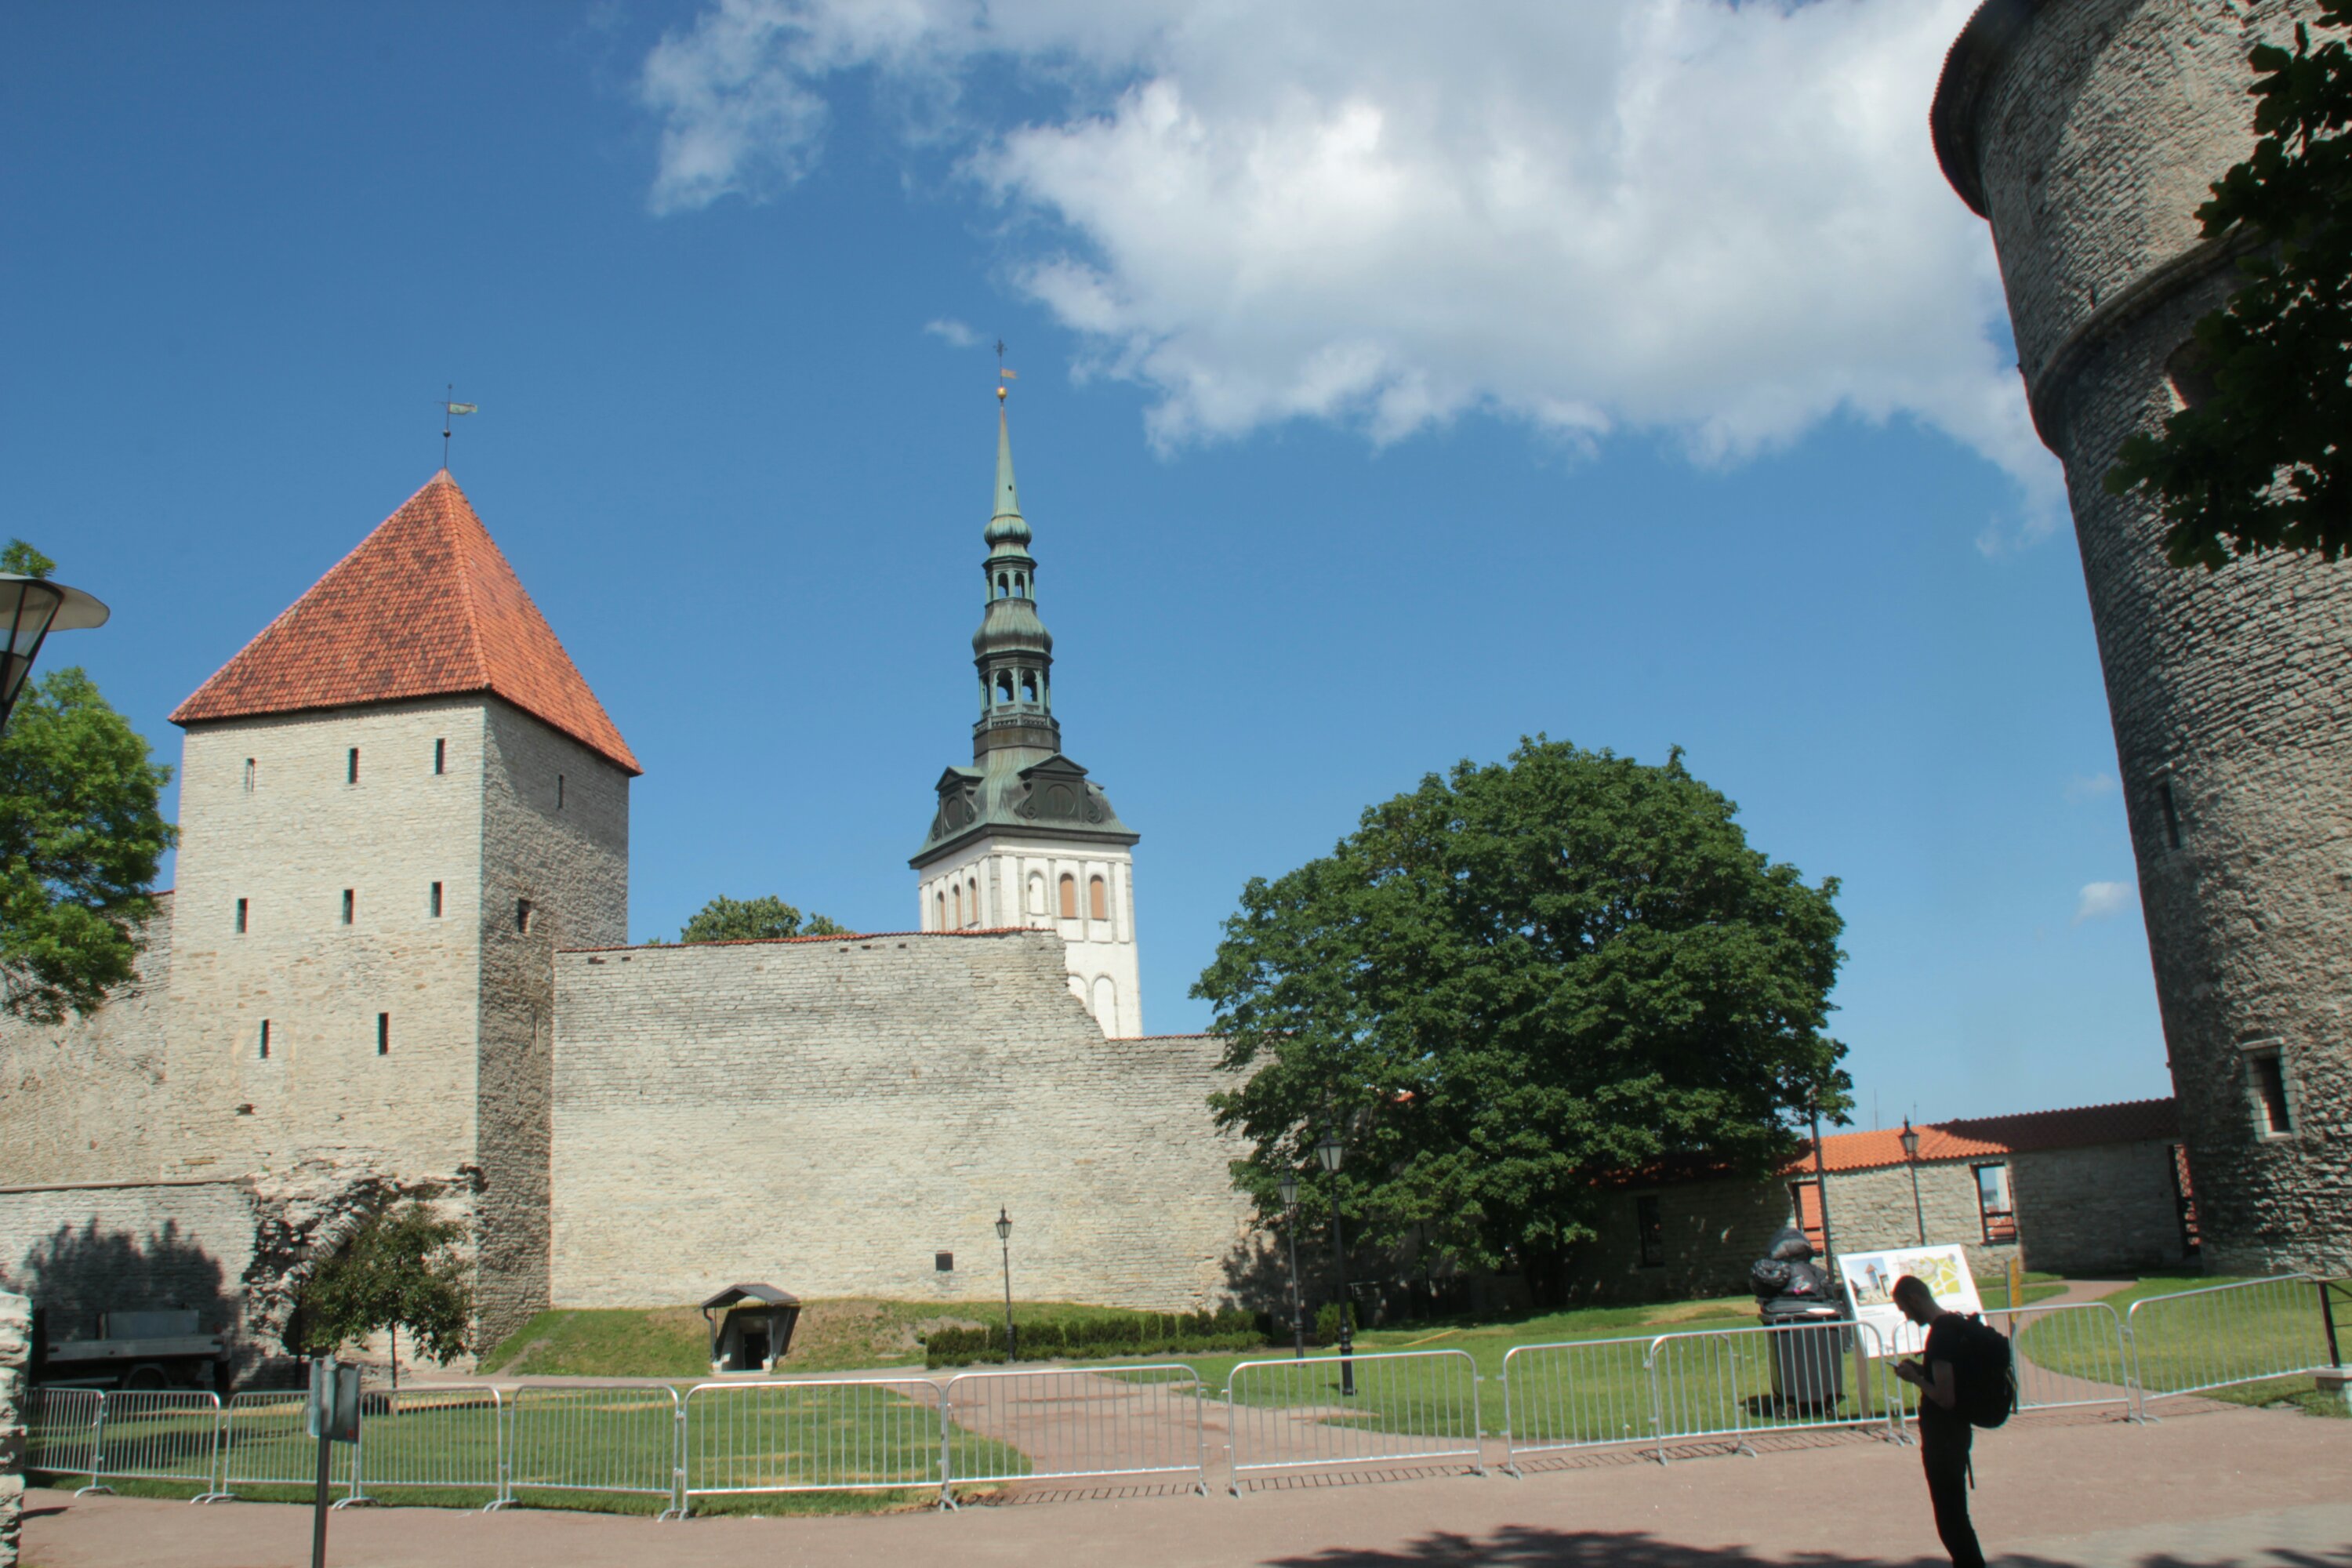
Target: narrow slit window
{"points": [[441, 755], [957, 905], [2171, 813], [241, 908], [939, 912], [351, 766], [559, 792], [348, 902], [2268, 1070], [1651, 1222], [383, 1034], [433, 902], [972, 908], [249, 775], [264, 1039], [522, 914]]}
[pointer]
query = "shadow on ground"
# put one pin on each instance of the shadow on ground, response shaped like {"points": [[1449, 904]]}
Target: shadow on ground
{"points": [[1524, 1546]]}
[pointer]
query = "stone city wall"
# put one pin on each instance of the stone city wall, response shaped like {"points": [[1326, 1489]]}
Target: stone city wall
{"points": [[85, 1101], [830, 1115], [82, 1250]]}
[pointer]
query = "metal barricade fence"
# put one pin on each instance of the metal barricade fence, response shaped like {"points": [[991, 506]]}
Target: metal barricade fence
{"points": [[61, 1431], [2247, 1332], [159, 1434], [1587, 1394], [602, 1437], [448, 1437], [1074, 1421], [265, 1442], [811, 1435], [1737, 1382], [1407, 1406], [2066, 1354]]}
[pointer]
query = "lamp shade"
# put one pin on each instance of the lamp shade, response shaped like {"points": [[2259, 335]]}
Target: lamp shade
{"points": [[1910, 1140], [1004, 1224], [1289, 1189], [1331, 1150], [30, 610]]}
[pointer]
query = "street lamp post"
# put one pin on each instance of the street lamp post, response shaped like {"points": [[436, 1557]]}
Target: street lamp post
{"points": [[1911, 1158], [30, 610], [1290, 1227], [1004, 1239], [1331, 1152]]}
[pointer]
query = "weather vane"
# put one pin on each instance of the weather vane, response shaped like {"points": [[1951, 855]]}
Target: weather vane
{"points": [[450, 411], [1002, 375]]}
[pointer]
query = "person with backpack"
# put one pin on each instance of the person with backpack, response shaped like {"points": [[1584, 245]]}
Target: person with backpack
{"points": [[1965, 1381]]}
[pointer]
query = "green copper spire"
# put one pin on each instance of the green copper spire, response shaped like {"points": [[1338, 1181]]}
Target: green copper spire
{"points": [[1006, 525]]}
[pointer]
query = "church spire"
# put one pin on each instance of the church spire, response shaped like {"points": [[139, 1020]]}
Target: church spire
{"points": [[1012, 649]]}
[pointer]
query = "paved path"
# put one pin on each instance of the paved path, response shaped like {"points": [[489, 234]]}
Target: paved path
{"points": [[2227, 1486]]}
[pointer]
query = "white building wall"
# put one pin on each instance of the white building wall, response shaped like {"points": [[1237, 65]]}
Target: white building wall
{"points": [[1019, 884]]}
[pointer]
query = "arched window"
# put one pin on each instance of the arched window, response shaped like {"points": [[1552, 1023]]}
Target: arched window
{"points": [[1098, 898], [1021, 584], [1004, 585], [972, 908], [939, 912], [1036, 893], [1070, 897], [1106, 1002], [959, 905], [1004, 685], [1028, 686]]}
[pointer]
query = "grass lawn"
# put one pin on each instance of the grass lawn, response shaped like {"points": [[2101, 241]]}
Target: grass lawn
{"points": [[2194, 1343]]}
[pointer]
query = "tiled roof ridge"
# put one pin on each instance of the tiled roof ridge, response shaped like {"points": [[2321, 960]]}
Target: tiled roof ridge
{"points": [[791, 941], [2021, 1132], [466, 598]]}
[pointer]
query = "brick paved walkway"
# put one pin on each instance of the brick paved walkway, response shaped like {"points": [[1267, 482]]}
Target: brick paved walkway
{"points": [[2220, 1487]]}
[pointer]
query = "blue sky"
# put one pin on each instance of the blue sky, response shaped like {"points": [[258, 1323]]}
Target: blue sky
{"points": [[1382, 400]]}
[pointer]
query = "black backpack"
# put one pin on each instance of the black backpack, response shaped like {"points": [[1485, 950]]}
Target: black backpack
{"points": [[1984, 1373]]}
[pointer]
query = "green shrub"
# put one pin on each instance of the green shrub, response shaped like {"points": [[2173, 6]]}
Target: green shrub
{"points": [[1327, 1322], [1089, 1339]]}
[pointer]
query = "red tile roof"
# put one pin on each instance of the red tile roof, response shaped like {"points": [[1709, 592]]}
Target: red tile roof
{"points": [[1975, 1137], [425, 607]]}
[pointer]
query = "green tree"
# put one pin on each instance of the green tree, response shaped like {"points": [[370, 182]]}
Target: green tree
{"points": [[24, 560], [2260, 459], [400, 1269], [740, 919], [1515, 985], [81, 839]]}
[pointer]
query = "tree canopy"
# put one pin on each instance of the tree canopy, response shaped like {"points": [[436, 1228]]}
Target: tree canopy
{"points": [[740, 919], [80, 840], [399, 1271], [2260, 457], [1516, 985]]}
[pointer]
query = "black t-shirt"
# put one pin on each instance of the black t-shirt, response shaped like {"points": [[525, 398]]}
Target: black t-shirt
{"points": [[1943, 1346]]}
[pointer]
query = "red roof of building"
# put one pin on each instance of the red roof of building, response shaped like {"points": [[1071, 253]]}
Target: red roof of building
{"points": [[425, 607], [1975, 1137]]}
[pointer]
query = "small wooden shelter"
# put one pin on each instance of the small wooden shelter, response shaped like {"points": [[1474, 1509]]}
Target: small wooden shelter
{"points": [[750, 1327]]}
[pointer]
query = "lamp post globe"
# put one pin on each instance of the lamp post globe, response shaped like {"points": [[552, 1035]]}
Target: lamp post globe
{"points": [[1911, 1158], [1331, 1152], [1289, 1186], [30, 610], [1004, 1239]]}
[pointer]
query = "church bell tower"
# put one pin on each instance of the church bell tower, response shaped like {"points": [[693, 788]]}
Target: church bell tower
{"points": [[1022, 836]]}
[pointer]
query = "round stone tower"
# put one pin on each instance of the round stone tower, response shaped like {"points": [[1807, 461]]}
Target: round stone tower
{"points": [[2087, 132]]}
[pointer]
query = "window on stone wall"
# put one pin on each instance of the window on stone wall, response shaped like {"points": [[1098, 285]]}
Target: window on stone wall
{"points": [[939, 912], [559, 792], [1805, 1203], [1649, 1224], [351, 767], [2266, 1074], [955, 905], [347, 906], [2171, 813], [1070, 897], [240, 917], [1098, 898], [249, 775], [264, 1039], [383, 1034], [1995, 1208], [522, 914], [433, 904], [943, 1262], [441, 756]]}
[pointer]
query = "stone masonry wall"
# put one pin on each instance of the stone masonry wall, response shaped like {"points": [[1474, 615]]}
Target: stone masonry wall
{"points": [[2111, 1209], [1871, 1211], [78, 1251], [2096, 132], [15, 1344], [827, 1116], [85, 1101], [555, 835]]}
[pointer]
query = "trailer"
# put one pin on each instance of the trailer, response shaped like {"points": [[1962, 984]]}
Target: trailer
{"points": [[147, 1348]]}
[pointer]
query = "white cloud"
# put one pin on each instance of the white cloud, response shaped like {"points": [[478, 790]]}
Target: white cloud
{"points": [[1724, 222], [2102, 900], [954, 334], [2089, 786]]}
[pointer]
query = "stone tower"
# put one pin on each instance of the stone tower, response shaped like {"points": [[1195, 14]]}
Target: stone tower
{"points": [[1023, 837], [395, 803], [2087, 132]]}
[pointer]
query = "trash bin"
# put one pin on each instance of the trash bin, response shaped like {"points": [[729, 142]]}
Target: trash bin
{"points": [[1809, 1357]]}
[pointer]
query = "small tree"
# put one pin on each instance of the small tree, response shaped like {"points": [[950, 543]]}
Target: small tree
{"points": [[2260, 459], [399, 1271], [740, 919], [80, 838]]}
